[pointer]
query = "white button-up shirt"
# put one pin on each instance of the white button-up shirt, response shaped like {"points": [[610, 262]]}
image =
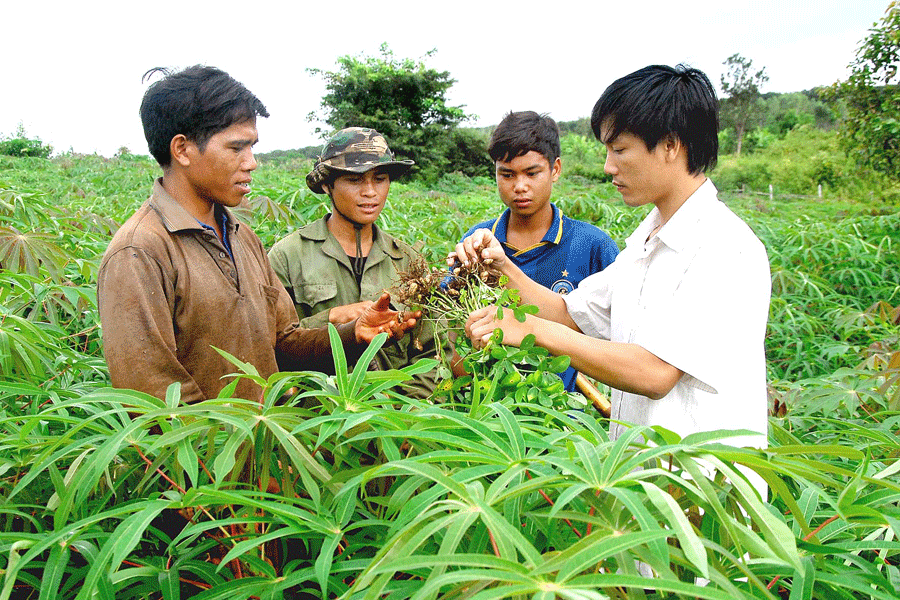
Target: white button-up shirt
{"points": [[697, 296]]}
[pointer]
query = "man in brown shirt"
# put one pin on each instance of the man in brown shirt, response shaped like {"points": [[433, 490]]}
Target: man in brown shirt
{"points": [[183, 276]]}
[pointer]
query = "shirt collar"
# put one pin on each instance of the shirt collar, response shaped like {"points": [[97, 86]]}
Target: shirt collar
{"points": [[318, 232], [680, 230], [176, 218], [553, 235]]}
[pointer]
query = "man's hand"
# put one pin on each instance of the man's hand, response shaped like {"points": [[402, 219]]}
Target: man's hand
{"points": [[379, 318], [344, 314], [481, 246], [481, 325]]}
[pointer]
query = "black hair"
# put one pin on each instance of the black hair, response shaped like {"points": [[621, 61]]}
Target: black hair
{"points": [[197, 102], [657, 101], [521, 132]]}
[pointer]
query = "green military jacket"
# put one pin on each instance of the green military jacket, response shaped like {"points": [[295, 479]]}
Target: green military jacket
{"points": [[318, 275]]}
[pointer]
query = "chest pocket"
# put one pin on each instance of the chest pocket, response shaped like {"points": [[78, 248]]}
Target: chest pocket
{"points": [[316, 297]]}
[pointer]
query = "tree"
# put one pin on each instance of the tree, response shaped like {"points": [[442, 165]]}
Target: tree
{"points": [[741, 85], [407, 102], [871, 129]]}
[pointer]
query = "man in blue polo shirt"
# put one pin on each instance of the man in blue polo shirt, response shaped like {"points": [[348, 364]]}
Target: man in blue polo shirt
{"points": [[552, 249]]}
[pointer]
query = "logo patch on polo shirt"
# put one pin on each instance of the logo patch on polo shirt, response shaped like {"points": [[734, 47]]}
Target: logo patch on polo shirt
{"points": [[562, 286]]}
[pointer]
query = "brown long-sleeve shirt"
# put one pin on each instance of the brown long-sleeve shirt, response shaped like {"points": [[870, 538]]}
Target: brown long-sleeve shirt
{"points": [[168, 291]]}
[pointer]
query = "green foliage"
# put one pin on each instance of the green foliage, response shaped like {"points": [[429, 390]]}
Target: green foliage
{"points": [[584, 157], [580, 127], [21, 145], [467, 153], [782, 112], [340, 487], [871, 129], [797, 164], [741, 85], [357, 492], [406, 101]]}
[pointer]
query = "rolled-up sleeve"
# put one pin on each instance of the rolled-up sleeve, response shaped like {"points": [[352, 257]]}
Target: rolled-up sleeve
{"points": [[299, 348], [590, 303]]}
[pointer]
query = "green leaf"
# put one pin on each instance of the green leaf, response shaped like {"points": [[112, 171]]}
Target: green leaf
{"points": [[362, 365], [340, 359], [690, 543], [54, 569], [169, 584]]}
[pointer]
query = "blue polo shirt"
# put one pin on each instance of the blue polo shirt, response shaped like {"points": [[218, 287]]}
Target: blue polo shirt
{"points": [[569, 251]]}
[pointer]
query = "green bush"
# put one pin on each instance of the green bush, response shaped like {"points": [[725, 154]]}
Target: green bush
{"points": [[797, 164], [583, 156], [752, 171], [467, 153], [21, 145]]}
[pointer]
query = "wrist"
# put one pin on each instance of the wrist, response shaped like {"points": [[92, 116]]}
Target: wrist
{"points": [[512, 273]]}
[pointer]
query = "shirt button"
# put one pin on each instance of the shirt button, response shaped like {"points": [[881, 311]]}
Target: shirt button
{"points": [[221, 255]]}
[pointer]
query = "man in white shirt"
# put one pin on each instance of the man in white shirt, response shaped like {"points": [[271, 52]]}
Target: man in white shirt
{"points": [[676, 325]]}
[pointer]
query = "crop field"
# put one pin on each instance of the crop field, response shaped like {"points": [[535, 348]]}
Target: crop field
{"points": [[344, 488]]}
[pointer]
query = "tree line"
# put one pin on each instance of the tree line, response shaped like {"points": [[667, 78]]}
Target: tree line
{"points": [[406, 100]]}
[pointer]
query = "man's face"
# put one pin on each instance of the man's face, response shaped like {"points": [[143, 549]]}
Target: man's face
{"points": [[526, 182], [361, 196], [639, 174], [220, 173]]}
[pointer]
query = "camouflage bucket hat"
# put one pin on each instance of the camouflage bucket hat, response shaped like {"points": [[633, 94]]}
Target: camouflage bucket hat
{"points": [[354, 150]]}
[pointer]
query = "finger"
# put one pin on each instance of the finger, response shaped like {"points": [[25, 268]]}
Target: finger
{"points": [[481, 238], [490, 254], [480, 313], [383, 303], [462, 254]]}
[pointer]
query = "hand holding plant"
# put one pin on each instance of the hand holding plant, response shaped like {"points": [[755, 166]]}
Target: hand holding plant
{"points": [[480, 248], [483, 322], [379, 318]]}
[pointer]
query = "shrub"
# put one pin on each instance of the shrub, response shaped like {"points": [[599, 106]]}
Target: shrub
{"points": [[583, 156], [21, 145]]}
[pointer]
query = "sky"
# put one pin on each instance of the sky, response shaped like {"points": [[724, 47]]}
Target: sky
{"points": [[73, 71]]}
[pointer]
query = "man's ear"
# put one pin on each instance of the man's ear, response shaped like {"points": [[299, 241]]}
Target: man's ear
{"points": [[672, 146], [555, 169], [180, 149]]}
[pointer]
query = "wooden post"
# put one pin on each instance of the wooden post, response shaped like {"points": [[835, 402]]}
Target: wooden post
{"points": [[771, 192], [820, 190]]}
